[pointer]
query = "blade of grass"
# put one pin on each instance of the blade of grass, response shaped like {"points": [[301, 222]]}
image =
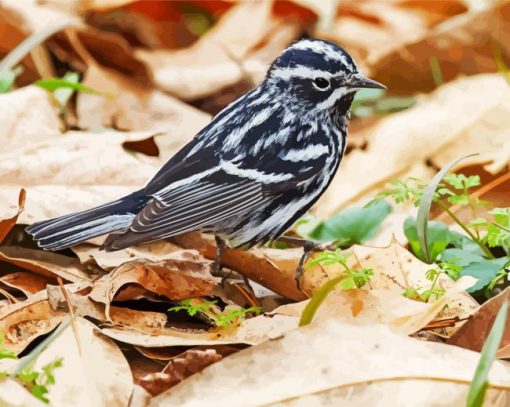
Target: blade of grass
{"points": [[52, 84], [27, 360], [317, 299], [500, 63], [437, 74], [479, 383], [426, 203]]}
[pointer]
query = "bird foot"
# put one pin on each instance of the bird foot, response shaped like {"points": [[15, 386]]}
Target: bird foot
{"points": [[220, 248], [308, 247]]}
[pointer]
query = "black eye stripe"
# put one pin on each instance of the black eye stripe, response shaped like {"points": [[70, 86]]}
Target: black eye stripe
{"points": [[321, 83]]}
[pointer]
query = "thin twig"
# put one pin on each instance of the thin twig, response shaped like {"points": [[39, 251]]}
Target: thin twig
{"points": [[25, 47], [71, 312], [470, 234]]}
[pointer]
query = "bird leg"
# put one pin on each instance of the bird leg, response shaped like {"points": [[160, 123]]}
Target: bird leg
{"points": [[308, 247], [220, 248]]}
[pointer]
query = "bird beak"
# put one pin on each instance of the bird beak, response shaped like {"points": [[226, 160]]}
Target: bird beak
{"points": [[359, 81]]}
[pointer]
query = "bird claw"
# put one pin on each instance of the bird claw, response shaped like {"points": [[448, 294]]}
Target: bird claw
{"points": [[220, 247]]}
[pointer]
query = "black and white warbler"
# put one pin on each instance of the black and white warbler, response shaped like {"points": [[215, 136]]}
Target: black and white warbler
{"points": [[249, 174]]}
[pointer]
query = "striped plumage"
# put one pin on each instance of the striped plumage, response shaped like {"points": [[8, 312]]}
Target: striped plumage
{"points": [[247, 176]]}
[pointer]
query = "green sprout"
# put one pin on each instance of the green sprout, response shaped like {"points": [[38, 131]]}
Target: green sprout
{"points": [[348, 280], [193, 307]]}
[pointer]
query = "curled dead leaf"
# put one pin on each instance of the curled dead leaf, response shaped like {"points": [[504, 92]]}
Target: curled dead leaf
{"points": [[45, 263], [184, 275], [179, 368]]}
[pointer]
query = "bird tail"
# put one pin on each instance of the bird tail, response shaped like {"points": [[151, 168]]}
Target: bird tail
{"points": [[65, 231]]}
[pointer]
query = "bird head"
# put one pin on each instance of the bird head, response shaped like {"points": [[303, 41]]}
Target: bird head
{"points": [[317, 74]]}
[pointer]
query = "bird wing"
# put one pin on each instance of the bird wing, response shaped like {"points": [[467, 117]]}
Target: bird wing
{"points": [[198, 205]]}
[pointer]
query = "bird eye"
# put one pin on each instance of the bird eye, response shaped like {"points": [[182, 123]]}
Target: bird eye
{"points": [[321, 83]]}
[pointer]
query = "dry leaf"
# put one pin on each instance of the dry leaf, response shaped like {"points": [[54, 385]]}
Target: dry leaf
{"points": [[28, 283], [474, 332], [462, 45], [73, 172], [132, 107], [183, 275], [251, 332], [94, 371], [216, 60], [32, 17], [46, 263], [344, 365], [396, 269], [371, 29], [154, 252], [49, 201], [375, 306], [28, 117], [25, 321], [77, 159], [179, 368], [13, 394]]}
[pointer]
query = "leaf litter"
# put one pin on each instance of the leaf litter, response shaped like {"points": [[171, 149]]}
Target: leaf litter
{"points": [[118, 337]]}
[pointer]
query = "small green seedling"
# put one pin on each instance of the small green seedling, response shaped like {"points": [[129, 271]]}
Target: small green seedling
{"points": [[225, 320], [434, 292], [5, 353], [193, 307], [350, 279], [37, 382]]}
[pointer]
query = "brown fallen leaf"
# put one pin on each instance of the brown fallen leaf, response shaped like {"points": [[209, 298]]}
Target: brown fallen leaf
{"points": [[31, 16], [382, 305], [83, 306], [78, 43], [130, 106], [370, 29], [45, 263], [469, 37], [24, 321], [28, 117], [19, 21], [156, 251], [474, 332], [344, 365], [183, 275], [78, 158], [26, 282], [94, 371], [213, 62], [49, 200], [396, 269], [72, 172], [179, 368], [251, 332], [13, 393]]}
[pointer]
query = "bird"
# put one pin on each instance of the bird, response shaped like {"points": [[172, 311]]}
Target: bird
{"points": [[247, 176]]}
